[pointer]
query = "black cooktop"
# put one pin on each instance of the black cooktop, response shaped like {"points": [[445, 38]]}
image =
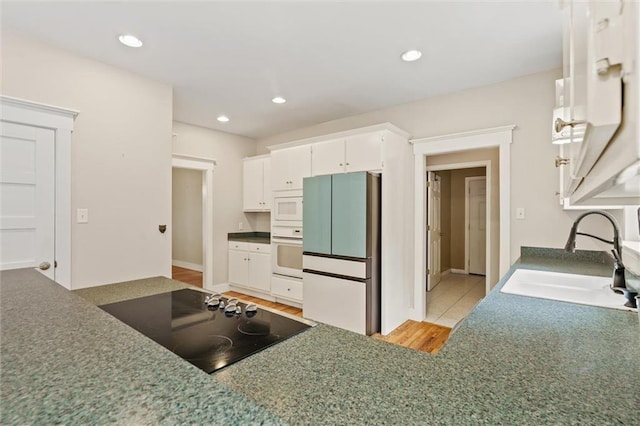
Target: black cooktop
{"points": [[206, 336]]}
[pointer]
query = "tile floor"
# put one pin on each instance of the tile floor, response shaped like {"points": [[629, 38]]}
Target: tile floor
{"points": [[454, 298]]}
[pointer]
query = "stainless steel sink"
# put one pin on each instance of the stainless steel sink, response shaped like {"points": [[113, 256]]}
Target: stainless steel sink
{"points": [[581, 289]]}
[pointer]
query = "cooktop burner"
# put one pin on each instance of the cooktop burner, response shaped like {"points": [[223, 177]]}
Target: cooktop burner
{"points": [[207, 336]]}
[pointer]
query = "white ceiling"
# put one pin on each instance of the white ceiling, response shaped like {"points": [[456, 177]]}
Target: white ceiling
{"points": [[329, 59]]}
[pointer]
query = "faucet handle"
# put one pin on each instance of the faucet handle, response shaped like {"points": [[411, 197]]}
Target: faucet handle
{"points": [[618, 258]]}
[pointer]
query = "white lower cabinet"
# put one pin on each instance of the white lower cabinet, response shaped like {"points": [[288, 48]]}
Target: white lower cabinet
{"points": [[250, 265], [287, 288]]}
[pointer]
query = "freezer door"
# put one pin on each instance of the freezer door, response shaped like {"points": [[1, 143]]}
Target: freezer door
{"points": [[335, 301]]}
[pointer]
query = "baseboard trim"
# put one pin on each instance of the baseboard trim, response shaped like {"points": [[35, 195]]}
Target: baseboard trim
{"points": [[447, 272], [251, 292], [187, 265], [458, 271], [220, 288]]}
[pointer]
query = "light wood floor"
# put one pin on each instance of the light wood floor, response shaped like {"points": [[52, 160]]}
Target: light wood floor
{"points": [[422, 336], [186, 276]]}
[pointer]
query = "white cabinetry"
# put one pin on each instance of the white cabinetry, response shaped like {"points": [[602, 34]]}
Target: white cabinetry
{"points": [[250, 265], [286, 288], [256, 184], [601, 51], [289, 166], [350, 154]]}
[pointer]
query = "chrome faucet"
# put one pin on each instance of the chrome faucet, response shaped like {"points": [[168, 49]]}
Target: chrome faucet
{"points": [[618, 285]]}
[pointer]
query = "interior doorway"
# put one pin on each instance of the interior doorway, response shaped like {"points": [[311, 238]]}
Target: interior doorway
{"points": [[187, 209], [192, 219], [475, 224], [457, 222]]}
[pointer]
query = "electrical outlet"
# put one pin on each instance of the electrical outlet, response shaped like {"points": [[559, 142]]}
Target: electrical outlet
{"points": [[82, 215], [240, 226], [520, 213]]}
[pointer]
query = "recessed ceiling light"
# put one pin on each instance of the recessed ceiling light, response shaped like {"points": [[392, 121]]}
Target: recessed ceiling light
{"points": [[278, 100], [130, 40], [223, 118], [411, 55]]}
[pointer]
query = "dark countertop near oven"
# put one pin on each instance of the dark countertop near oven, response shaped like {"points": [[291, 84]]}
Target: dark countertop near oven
{"points": [[514, 360], [250, 237]]}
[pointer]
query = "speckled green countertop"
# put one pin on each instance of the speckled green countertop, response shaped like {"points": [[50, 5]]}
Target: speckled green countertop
{"points": [[250, 237], [515, 360], [65, 361]]}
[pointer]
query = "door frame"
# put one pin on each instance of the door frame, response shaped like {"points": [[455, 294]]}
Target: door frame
{"points": [[471, 165], [206, 166], [500, 137], [61, 121], [467, 205]]}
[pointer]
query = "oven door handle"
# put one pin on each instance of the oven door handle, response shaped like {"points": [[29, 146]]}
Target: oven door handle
{"points": [[287, 240]]}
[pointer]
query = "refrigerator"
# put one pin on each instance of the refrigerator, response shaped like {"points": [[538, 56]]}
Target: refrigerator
{"points": [[341, 251]]}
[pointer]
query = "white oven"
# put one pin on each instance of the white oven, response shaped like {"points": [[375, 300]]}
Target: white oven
{"points": [[286, 251], [287, 209]]}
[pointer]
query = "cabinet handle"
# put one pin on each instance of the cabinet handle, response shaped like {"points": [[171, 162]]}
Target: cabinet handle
{"points": [[340, 164], [347, 164]]}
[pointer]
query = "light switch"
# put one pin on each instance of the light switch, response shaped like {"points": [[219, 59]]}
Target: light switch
{"points": [[240, 226], [520, 213], [82, 215]]}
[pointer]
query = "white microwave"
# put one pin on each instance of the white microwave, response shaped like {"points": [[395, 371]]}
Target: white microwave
{"points": [[288, 209]]}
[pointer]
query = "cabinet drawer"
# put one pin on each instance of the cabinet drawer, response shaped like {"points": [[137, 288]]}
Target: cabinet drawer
{"points": [[287, 288], [259, 248], [238, 245]]}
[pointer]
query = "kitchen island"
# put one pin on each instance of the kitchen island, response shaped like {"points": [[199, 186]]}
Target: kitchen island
{"points": [[514, 360]]}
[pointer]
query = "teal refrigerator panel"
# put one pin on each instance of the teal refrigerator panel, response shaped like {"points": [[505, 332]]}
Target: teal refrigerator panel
{"points": [[316, 214], [349, 215]]}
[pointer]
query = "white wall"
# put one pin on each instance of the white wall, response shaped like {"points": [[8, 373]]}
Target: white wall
{"points": [[228, 150], [526, 102], [121, 157], [186, 242]]}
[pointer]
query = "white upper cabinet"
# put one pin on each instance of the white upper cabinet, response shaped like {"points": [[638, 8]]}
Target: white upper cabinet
{"points": [[596, 115], [327, 158], [256, 184], [289, 166], [363, 152], [350, 154]]}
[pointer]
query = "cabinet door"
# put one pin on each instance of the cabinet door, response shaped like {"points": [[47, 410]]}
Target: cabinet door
{"points": [[238, 268], [316, 214], [279, 170], [252, 185], [349, 214], [267, 196], [327, 157], [260, 271], [363, 152], [299, 165]]}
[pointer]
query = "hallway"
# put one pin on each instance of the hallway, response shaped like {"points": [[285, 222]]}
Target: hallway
{"points": [[454, 298]]}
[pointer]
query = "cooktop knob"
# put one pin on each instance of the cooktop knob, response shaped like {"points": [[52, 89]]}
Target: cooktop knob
{"points": [[251, 309], [231, 307], [232, 300]]}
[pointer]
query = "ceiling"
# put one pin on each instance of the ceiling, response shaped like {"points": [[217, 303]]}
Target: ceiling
{"points": [[328, 59]]}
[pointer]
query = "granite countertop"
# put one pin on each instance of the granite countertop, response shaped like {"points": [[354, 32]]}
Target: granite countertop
{"points": [[250, 237], [514, 360]]}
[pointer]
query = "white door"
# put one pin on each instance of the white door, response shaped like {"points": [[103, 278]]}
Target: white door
{"points": [[238, 267], [27, 184], [434, 231], [477, 214]]}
